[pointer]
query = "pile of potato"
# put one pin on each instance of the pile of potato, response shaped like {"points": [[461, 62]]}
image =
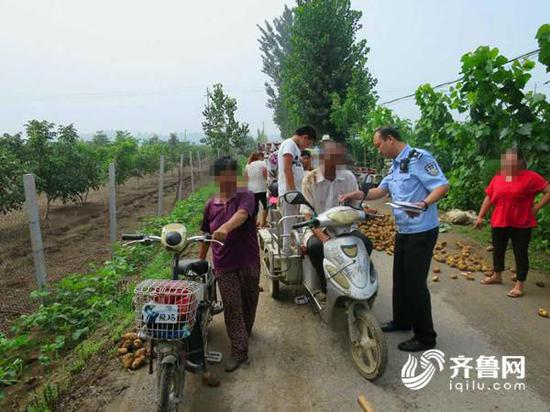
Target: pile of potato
{"points": [[131, 351], [463, 260], [381, 232]]}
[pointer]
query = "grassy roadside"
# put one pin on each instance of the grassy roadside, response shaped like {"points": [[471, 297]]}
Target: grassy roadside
{"points": [[538, 259], [49, 347]]}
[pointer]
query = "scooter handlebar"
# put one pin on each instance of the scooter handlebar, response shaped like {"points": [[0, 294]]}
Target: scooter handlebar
{"points": [[307, 223], [132, 236]]}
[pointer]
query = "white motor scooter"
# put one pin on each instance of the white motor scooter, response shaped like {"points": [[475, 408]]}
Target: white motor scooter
{"points": [[352, 281]]}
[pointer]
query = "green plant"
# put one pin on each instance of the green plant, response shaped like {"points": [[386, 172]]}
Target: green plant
{"points": [[46, 401]]}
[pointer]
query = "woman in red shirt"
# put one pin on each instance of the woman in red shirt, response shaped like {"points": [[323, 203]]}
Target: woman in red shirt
{"points": [[512, 193]]}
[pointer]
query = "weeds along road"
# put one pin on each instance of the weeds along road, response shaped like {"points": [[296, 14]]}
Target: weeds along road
{"points": [[297, 363]]}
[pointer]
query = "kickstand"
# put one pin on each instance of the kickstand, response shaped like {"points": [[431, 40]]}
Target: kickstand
{"points": [[151, 357]]}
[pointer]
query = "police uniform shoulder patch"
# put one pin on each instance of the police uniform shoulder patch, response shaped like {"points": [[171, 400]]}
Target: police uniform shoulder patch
{"points": [[432, 169]]}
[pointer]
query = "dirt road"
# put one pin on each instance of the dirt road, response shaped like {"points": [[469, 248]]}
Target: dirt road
{"points": [[297, 363]]}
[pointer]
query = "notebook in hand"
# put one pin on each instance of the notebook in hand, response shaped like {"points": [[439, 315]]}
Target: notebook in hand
{"points": [[406, 206]]}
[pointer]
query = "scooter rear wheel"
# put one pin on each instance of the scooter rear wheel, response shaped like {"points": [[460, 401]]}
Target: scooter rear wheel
{"points": [[370, 352]]}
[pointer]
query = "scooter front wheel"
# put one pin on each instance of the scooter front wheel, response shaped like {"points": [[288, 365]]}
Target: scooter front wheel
{"points": [[368, 344], [166, 388]]}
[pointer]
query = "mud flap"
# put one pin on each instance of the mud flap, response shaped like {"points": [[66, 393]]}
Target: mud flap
{"points": [[351, 307]]}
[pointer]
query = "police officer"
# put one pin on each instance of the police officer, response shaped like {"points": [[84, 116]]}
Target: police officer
{"points": [[414, 177]]}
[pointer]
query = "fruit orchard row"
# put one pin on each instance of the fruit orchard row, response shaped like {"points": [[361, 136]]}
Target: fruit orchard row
{"points": [[67, 167]]}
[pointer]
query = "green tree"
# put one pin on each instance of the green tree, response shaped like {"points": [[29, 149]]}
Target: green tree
{"points": [[261, 136], [491, 93], [173, 148], [378, 117], [325, 81], [92, 169], [100, 139], [543, 38], [41, 157], [431, 131], [275, 47], [124, 153], [222, 131], [11, 178]]}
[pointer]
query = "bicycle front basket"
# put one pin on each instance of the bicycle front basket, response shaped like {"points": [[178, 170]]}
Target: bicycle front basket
{"points": [[166, 309]]}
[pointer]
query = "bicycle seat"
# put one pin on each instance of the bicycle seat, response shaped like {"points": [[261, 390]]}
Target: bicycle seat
{"points": [[200, 267]]}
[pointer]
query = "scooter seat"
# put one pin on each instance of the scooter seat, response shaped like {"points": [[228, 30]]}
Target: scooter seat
{"points": [[200, 267]]}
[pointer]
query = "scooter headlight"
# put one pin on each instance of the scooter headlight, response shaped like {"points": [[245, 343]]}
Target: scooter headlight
{"points": [[349, 251], [344, 217]]}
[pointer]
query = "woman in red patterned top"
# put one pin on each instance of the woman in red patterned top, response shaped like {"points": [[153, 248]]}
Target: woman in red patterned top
{"points": [[512, 193]]}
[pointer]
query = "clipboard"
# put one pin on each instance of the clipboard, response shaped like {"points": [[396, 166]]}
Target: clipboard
{"points": [[406, 206]]}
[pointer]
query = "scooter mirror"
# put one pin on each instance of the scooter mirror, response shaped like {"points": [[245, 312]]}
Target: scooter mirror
{"points": [[295, 198], [366, 185]]}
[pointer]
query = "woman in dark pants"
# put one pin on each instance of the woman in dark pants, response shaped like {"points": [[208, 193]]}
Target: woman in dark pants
{"points": [[229, 216], [512, 193]]}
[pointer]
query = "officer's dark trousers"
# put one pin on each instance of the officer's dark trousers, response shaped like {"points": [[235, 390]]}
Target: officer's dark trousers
{"points": [[411, 297], [316, 254]]}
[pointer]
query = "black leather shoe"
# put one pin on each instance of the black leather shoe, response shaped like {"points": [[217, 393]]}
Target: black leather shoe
{"points": [[413, 345], [391, 326]]}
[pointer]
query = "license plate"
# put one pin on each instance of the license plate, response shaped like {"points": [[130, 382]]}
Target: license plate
{"points": [[159, 313]]}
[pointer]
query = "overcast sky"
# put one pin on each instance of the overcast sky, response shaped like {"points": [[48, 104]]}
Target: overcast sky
{"points": [[144, 66]]}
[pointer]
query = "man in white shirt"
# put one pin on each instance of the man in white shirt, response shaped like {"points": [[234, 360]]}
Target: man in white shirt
{"points": [[322, 187], [291, 173]]}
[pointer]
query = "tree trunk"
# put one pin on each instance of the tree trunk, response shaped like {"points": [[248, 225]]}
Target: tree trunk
{"points": [[47, 215]]}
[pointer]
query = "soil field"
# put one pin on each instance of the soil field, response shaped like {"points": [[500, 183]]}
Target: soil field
{"points": [[74, 236]]}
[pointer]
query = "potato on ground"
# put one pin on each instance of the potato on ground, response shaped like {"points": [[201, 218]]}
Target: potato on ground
{"points": [[140, 352], [130, 336], [127, 360], [138, 362]]}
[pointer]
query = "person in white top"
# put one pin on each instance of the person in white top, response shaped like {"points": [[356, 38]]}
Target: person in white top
{"points": [[321, 187], [306, 160], [255, 173], [291, 173]]}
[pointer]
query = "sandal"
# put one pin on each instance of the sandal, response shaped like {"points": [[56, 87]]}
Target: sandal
{"points": [[515, 294], [490, 281]]}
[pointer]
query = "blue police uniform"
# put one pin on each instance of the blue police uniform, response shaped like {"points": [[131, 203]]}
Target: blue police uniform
{"points": [[414, 174], [413, 183]]}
